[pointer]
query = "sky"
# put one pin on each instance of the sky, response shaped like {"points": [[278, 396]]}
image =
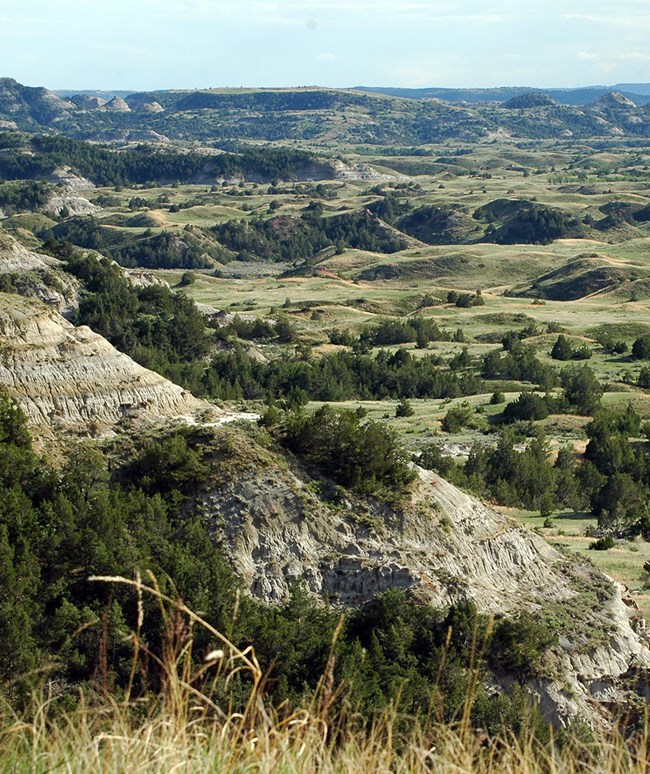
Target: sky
{"points": [[163, 44]]}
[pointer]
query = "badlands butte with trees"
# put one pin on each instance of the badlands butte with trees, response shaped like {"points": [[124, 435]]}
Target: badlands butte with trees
{"points": [[324, 429]]}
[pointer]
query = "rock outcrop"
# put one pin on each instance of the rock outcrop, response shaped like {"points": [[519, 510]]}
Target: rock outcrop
{"points": [[70, 201], [71, 379], [614, 99], [88, 101], [38, 276], [444, 547], [67, 177], [145, 279], [116, 105], [14, 257], [152, 107], [343, 171]]}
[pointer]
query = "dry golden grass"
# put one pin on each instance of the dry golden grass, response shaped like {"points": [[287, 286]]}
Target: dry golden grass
{"points": [[111, 739], [183, 730]]}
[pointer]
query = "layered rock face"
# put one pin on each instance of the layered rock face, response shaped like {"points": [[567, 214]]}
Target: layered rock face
{"points": [[116, 105], [69, 200], [15, 258], [444, 547], [72, 379], [38, 276]]}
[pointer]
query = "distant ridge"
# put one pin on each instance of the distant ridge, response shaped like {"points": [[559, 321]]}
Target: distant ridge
{"points": [[373, 117], [107, 95], [639, 93]]}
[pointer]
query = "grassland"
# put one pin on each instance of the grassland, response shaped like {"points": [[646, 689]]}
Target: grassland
{"points": [[350, 288], [340, 290]]}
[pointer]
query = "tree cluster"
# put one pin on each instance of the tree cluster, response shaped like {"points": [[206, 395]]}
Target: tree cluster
{"points": [[152, 251], [361, 455], [612, 480], [147, 165], [339, 376], [519, 363], [563, 349], [159, 329], [24, 196], [285, 238]]}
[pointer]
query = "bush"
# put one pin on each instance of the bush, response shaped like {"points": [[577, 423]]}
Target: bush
{"points": [[528, 406], [641, 348], [562, 349], [581, 389], [644, 377], [612, 347], [187, 278], [582, 353], [404, 409], [602, 544], [366, 457], [518, 644], [458, 417]]}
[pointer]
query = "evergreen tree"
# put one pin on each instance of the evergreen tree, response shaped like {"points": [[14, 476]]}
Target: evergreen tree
{"points": [[562, 349], [581, 389]]}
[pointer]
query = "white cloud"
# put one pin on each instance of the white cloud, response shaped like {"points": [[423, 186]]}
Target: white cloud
{"points": [[634, 56], [296, 11], [326, 56], [630, 21]]}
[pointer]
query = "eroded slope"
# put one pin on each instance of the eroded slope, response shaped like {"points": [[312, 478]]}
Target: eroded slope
{"points": [[68, 378], [279, 526]]}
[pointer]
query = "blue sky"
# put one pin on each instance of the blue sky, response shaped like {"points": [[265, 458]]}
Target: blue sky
{"points": [[149, 44]]}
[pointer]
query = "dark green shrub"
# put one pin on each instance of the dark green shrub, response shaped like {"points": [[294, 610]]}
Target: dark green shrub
{"points": [[457, 417], [562, 349], [519, 643], [643, 379], [581, 389], [363, 456], [602, 544], [404, 409], [641, 348], [528, 406]]}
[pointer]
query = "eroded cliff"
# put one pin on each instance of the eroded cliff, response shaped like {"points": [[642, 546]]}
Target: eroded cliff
{"points": [[38, 276], [279, 526], [72, 379]]}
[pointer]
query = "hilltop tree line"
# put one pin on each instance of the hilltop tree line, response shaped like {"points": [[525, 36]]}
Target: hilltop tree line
{"points": [[144, 164], [151, 251], [292, 239], [280, 238]]}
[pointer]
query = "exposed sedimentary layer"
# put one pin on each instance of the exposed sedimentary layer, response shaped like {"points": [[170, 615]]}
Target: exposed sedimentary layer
{"points": [[71, 378], [443, 546]]}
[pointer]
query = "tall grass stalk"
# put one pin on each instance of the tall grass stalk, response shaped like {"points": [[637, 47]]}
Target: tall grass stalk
{"points": [[184, 729]]}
